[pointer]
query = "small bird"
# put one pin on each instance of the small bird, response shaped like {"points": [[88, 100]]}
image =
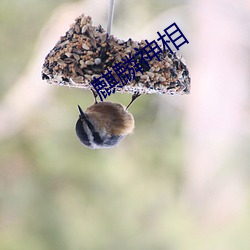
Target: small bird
{"points": [[104, 124]]}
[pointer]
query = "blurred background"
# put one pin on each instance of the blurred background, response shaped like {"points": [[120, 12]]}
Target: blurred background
{"points": [[180, 182]]}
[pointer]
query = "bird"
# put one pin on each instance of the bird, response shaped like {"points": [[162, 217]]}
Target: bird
{"points": [[104, 124]]}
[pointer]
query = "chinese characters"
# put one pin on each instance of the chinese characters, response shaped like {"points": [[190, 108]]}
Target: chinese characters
{"points": [[125, 71]]}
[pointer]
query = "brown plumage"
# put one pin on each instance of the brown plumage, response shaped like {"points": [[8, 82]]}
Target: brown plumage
{"points": [[104, 124], [110, 117]]}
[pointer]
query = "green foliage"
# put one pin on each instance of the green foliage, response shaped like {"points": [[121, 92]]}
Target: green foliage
{"points": [[20, 24]]}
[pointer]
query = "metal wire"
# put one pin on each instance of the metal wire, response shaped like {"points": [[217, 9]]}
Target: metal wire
{"points": [[110, 15]]}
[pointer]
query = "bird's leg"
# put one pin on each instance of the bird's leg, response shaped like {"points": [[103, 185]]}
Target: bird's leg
{"points": [[95, 95], [134, 97]]}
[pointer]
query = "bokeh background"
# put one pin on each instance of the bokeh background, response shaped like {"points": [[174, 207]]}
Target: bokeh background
{"points": [[180, 182]]}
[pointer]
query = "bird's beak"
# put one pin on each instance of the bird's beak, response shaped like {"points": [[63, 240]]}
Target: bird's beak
{"points": [[82, 115]]}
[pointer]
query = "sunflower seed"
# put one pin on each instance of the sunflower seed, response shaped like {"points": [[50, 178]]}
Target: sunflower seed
{"points": [[85, 46], [88, 62]]}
